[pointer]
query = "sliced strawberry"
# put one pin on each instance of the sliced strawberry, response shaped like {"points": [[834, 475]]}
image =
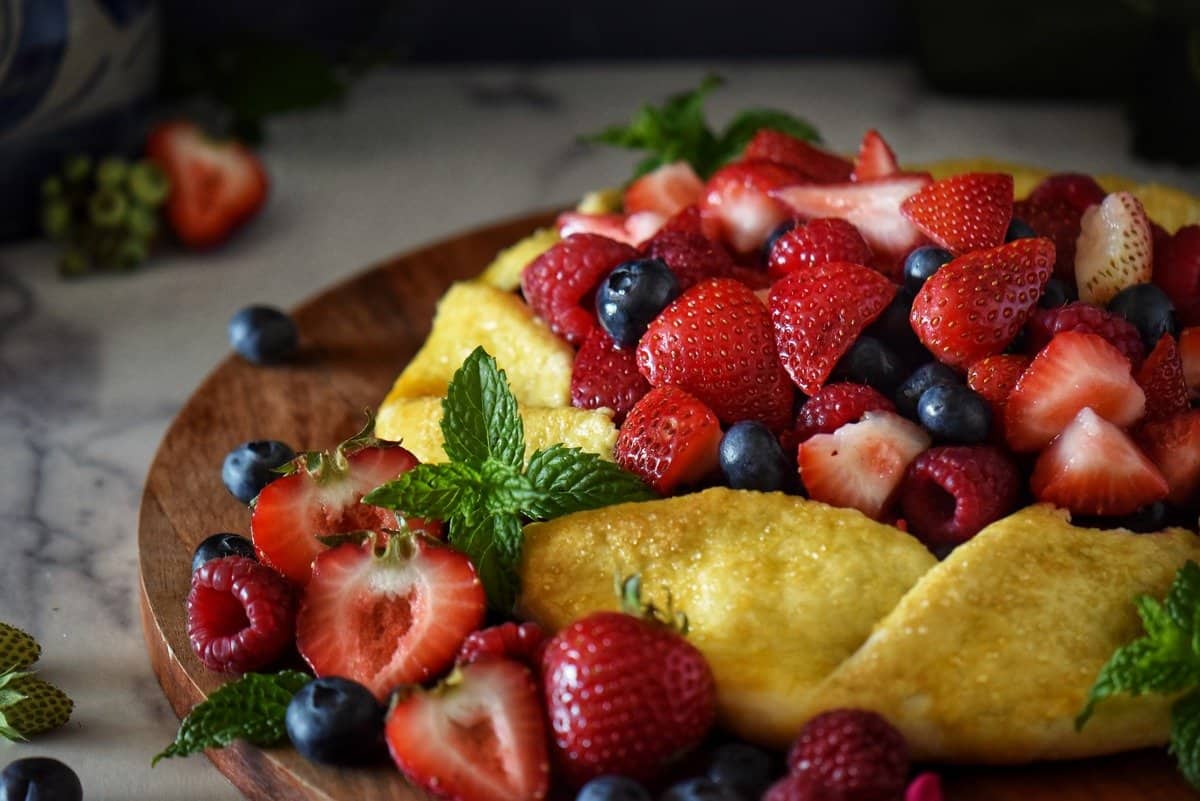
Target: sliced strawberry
{"points": [[1080, 191], [669, 439], [715, 341], [737, 199], [1161, 378], [1115, 248], [816, 164], [873, 207], [1094, 468], [861, 465], [993, 379], [818, 241], [629, 229], [560, 284], [1173, 445], [321, 499], [964, 213], [216, 186], [692, 257], [1189, 355], [1074, 371], [875, 159], [818, 313], [388, 619], [479, 736], [1177, 272], [606, 376], [1058, 221], [973, 306], [665, 191]]}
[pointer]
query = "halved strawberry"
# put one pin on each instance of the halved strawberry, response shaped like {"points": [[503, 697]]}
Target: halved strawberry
{"points": [[669, 439], [1074, 371], [816, 164], [975, 305], [1173, 444], [609, 226], [1177, 272], [1094, 468], [873, 207], [861, 465], [1161, 378], [817, 242], [478, 736], [993, 379], [1189, 355], [390, 618], [665, 191], [875, 159], [606, 376], [322, 497], [964, 213], [737, 199], [818, 313], [1114, 250]]}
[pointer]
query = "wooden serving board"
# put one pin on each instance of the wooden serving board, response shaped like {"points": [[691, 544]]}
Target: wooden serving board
{"points": [[355, 339]]}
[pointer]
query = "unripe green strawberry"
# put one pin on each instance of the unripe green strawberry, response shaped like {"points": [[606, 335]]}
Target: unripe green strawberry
{"points": [[29, 706], [18, 650]]}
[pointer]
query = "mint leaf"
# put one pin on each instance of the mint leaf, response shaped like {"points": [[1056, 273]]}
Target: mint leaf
{"points": [[1183, 599], [509, 490], [493, 544], [1185, 736], [251, 708], [479, 415], [744, 126], [570, 480], [432, 491]]}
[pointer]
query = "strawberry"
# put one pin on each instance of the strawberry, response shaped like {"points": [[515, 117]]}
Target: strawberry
{"points": [[29, 706], [861, 465], [1177, 272], [1114, 250], [715, 342], [625, 693], [814, 163], [692, 257], [873, 207], [819, 313], [875, 159], [1058, 221], [390, 618], [1075, 370], [629, 229], [1189, 355], [1080, 191], [820, 241], [1173, 445], [1161, 378], [606, 376], [560, 284], [669, 439], [737, 201], [964, 213], [18, 649], [665, 191], [478, 736], [994, 377], [973, 306], [1093, 468], [321, 497], [216, 186]]}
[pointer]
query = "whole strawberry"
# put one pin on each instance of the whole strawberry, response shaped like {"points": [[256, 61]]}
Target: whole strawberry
{"points": [[853, 751], [625, 693], [18, 649]]}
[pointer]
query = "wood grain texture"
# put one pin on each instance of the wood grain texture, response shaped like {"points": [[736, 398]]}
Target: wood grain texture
{"points": [[355, 339]]}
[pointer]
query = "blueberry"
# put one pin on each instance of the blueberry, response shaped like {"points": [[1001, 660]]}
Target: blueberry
{"points": [[219, 545], [773, 237], [1148, 519], [613, 788], [871, 362], [922, 263], [1149, 309], [39, 779], [894, 328], [746, 770], [263, 334], [954, 413], [632, 295], [1019, 229], [251, 466], [921, 379], [336, 721], [1057, 293], [751, 458], [700, 789]]}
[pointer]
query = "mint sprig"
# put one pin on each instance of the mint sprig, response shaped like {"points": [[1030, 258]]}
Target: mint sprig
{"points": [[1165, 661], [487, 490], [678, 131], [252, 708]]}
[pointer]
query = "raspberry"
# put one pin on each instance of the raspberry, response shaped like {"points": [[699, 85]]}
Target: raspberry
{"points": [[691, 256], [523, 642], [1058, 220], [802, 787], [241, 615], [1079, 316], [854, 752], [835, 405], [560, 284], [950, 493], [818, 242], [686, 221], [606, 375]]}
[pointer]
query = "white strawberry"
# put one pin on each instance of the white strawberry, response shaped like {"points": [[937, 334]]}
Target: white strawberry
{"points": [[1114, 249]]}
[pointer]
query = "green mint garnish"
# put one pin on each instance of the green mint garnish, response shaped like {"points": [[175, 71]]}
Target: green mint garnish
{"points": [[1165, 661], [251, 708], [486, 490], [678, 131]]}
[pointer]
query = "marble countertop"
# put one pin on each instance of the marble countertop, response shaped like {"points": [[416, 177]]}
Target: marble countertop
{"points": [[92, 371]]}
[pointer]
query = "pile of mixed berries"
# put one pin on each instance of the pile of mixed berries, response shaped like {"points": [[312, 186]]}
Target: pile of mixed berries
{"points": [[935, 354]]}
